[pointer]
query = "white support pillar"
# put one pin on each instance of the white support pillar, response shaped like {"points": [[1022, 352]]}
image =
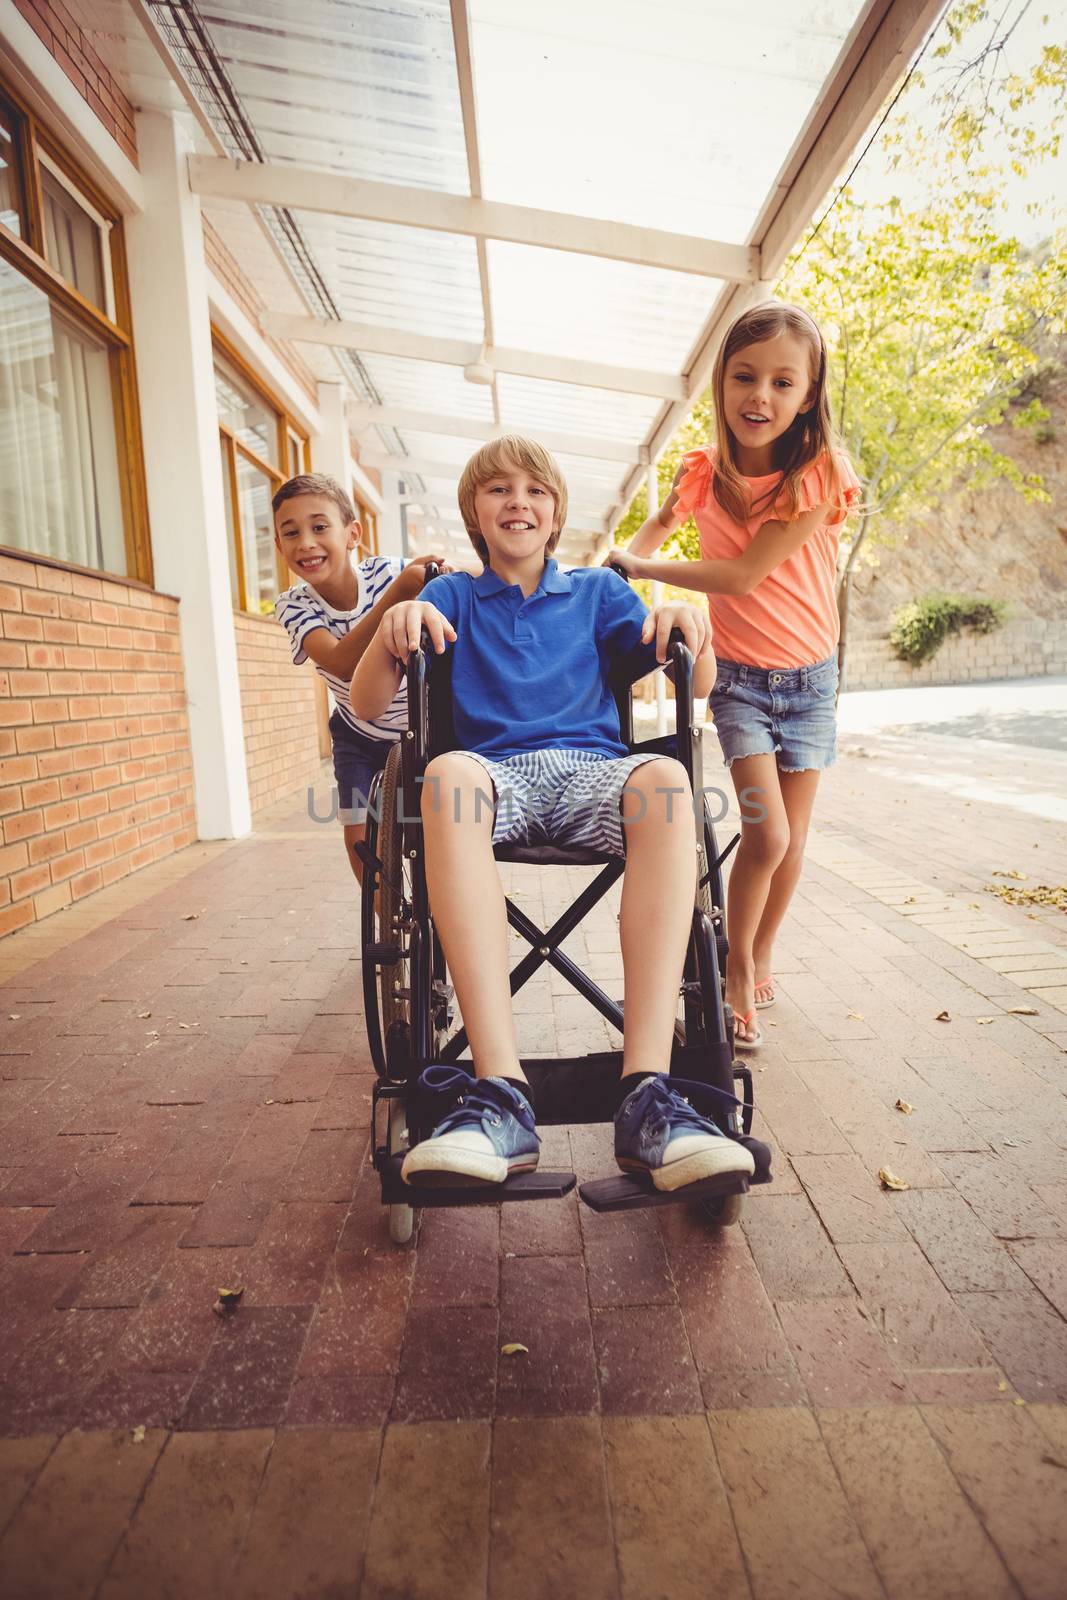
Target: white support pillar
{"points": [[390, 523], [183, 467], [330, 450], [657, 600]]}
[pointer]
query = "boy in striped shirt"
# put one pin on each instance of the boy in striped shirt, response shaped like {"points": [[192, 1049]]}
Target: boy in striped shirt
{"points": [[331, 614]]}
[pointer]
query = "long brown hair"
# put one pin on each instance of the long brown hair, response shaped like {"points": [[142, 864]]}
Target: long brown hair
{"points": [[811, 434]]}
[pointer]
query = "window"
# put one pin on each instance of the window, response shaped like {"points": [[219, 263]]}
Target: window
{"points": [[368, 521], [260, 449], [71, 475]]}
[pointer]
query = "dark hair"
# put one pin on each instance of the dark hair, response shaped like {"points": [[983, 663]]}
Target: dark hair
{"points": [[811, 435], [316, 483]]}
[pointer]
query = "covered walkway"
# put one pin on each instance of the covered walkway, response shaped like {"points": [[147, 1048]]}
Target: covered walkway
{"points": [[857, 1392]]}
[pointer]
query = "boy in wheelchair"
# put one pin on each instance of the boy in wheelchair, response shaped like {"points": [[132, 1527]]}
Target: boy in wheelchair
{"points": [[540, 758]]}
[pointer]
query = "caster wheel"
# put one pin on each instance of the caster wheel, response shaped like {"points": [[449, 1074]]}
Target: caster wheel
{"points": [[401, 1224], [726, 1212]]}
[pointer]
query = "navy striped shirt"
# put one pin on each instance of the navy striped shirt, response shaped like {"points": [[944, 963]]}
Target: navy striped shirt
{"points": [[301, 610]]}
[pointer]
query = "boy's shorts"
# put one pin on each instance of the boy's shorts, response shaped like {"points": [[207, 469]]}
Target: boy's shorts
{"points": [[787, 712], [561, 797], [355, 761]]}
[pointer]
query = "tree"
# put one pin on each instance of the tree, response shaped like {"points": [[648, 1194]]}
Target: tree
{"points": [[936, 316]]}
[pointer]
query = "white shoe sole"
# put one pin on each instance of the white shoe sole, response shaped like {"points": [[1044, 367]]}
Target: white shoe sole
{"points": [[715, 1162], [434, 1165]]}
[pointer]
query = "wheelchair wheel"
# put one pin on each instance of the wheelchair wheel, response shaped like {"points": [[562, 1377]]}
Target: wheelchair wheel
{"points": [[394, 925], [401, 1218], [724, 1212]]}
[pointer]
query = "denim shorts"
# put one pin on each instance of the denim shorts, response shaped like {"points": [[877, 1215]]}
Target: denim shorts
{"points": [[788, 712], [355, 761]]}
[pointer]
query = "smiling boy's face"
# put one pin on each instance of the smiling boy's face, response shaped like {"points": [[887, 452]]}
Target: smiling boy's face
{"points": [[314, 542], [516, 514]]}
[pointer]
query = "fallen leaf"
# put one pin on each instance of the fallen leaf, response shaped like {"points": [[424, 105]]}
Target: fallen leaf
{"points": [[14, 1016], [1018, 1402], [905, 1106], [911, 900], [982, 1021], [972, 905], [191, 916], [153, 1033], [855, 1016], [1023, 1011], [138, 1434], [889, 1180], [1021, 876], [227, 1302], [1002, 1386], [942, 1016], [514, 1350], [188, 1024], [143, 1014]]}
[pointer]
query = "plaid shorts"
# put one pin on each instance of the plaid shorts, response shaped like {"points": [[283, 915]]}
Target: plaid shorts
{"points": [[561, 797]]}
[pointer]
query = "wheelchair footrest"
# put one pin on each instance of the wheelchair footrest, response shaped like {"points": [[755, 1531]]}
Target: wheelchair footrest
{"points": [[629, 1190], [524, 1186]]}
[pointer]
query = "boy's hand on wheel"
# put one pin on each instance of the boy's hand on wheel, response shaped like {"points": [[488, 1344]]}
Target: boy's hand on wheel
{"points": [[401, 628], [418, 564], [693, 621]]}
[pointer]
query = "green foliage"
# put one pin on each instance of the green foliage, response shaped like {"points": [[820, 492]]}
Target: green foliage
{"points": [[921, 627]]}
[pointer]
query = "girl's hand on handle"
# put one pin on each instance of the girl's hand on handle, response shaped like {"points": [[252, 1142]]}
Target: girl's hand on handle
{"points": [[626, 563], [402, 625], [693, 622]]}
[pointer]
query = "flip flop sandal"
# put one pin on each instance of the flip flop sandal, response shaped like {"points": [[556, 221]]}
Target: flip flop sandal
{"points": [[766, 983], [740, 1042]]}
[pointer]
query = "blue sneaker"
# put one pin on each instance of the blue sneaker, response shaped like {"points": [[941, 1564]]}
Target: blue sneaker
{"points": [[658, 1132], [488, 1135]]}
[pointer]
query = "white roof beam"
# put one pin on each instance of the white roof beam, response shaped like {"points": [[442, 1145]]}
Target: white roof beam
{"points": [[361, 418], [461, 45], [312, 189], [369, 340]]}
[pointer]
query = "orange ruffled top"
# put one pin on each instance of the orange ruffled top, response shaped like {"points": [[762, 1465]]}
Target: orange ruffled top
{"points": [[790, 619]]}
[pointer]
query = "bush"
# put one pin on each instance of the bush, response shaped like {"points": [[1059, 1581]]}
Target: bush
{"points": [[921, 627]]}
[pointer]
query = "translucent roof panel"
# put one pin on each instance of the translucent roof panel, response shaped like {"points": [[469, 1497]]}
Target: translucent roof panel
{"points": [[614, 311], [392, 277], [357, 87], [427, 386], [677, 116], [531, 403]]}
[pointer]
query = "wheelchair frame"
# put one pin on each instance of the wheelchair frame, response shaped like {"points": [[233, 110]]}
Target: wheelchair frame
{"points": [[408, 999]]}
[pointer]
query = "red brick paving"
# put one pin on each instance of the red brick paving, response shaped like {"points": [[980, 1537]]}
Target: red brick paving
{"points": [[847, 1363]]}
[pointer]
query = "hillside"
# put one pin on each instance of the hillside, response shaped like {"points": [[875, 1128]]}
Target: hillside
{"points": [[991, 543]]}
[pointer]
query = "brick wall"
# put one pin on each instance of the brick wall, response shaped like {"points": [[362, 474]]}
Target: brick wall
{"points": [[1032, 647], [228, 271], [66, 40], [95, 769], [279, 705]]}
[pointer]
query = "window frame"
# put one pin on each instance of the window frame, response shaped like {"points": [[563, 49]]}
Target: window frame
{"points": [[289, 432], [35, 146]]}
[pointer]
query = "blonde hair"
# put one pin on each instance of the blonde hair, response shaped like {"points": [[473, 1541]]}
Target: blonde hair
{"points": [[811, 435], [495, 460]]}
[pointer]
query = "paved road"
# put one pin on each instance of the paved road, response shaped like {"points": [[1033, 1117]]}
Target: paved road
{"points": [[1028, 711]]}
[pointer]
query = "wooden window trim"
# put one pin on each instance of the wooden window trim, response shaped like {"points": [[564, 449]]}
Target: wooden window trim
{"points": [[286, 424], [27, 256]]}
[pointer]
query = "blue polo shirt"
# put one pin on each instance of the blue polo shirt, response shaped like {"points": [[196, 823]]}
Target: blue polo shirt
{"points": [[532, 672]]}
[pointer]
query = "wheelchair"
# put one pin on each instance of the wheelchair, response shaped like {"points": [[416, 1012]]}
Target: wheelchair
{"points": [[408, 1005]]}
